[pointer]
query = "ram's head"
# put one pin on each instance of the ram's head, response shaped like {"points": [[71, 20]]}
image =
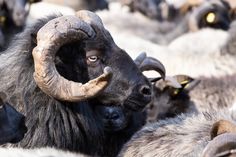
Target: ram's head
{"points": [[88, 64]]}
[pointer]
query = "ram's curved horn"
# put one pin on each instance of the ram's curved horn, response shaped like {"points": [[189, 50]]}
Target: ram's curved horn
{"points": [[221, 145], [145, 63], [50, 38]]}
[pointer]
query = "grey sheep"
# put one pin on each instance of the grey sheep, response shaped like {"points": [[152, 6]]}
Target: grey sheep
{"points": [[193, 95], [185, 135], [38, 152]]}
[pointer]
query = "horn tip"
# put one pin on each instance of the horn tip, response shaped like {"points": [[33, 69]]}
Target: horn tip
{"points": [[107, 70]]}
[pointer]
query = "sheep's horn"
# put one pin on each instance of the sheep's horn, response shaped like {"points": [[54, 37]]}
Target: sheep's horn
{"points": [[149, 63], [50, 38], [222, 145], [222, 126], [138, 60]]}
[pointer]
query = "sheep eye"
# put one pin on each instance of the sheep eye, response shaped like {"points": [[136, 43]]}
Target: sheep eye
{"points": [[92, 59]]}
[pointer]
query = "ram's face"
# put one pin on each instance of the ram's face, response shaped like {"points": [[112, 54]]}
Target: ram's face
{"points": [[84, 51], [128, 86]]}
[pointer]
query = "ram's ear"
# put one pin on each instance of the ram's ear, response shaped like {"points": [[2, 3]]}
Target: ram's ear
{"points": [[232, 13], [180, 83], [221, 127], [187, 83], [188, 5], [33, 38], [170, 84]]}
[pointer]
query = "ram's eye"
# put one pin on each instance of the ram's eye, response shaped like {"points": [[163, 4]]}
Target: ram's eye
{"points": [[92, 59]]}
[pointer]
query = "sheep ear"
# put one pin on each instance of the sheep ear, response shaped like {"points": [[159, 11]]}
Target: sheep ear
{"points": [[226, 4], [221, 127], [33, 38], [187, 83], [232, 13], [34, 1], [189, 5]]}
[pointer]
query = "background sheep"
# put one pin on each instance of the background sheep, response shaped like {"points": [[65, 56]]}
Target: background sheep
{"points": [[164, 29], [185, 135], [171, 95], [12, 124], [13, 14], [37, 152], [171, 98], [91, 5], [194, 95], [67, 120], [183, 55], [214, 93]]}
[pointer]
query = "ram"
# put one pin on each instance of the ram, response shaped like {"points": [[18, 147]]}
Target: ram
{"points": [[185, 135], [59, 110]]}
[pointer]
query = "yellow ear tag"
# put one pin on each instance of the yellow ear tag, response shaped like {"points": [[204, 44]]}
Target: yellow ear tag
{"points": [[184, 82], [2, 19], [211, 17], [176, 92]]}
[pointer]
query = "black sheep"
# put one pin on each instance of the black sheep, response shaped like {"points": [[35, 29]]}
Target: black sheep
{"points": [[59, 110]]}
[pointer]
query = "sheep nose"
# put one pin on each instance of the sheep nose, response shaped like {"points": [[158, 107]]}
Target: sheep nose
{"points": [[112, 115], [145, 90]]}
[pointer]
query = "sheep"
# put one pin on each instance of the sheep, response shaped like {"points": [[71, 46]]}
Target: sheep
{"points": [[59, 113], [155, 9], [214, 93], [184, 94], [12, 124], [13, 14], [164, 30], [91, 5], [170, 96], [203, 47], [38, 152], [194, 95], [185, 135]]}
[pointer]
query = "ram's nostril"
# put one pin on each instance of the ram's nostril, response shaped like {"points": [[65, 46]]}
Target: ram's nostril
{"points": [[115, 116], [145, 90]]}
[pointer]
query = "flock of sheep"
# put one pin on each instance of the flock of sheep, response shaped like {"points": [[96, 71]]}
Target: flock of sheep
{"points": [[151, 78]]}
